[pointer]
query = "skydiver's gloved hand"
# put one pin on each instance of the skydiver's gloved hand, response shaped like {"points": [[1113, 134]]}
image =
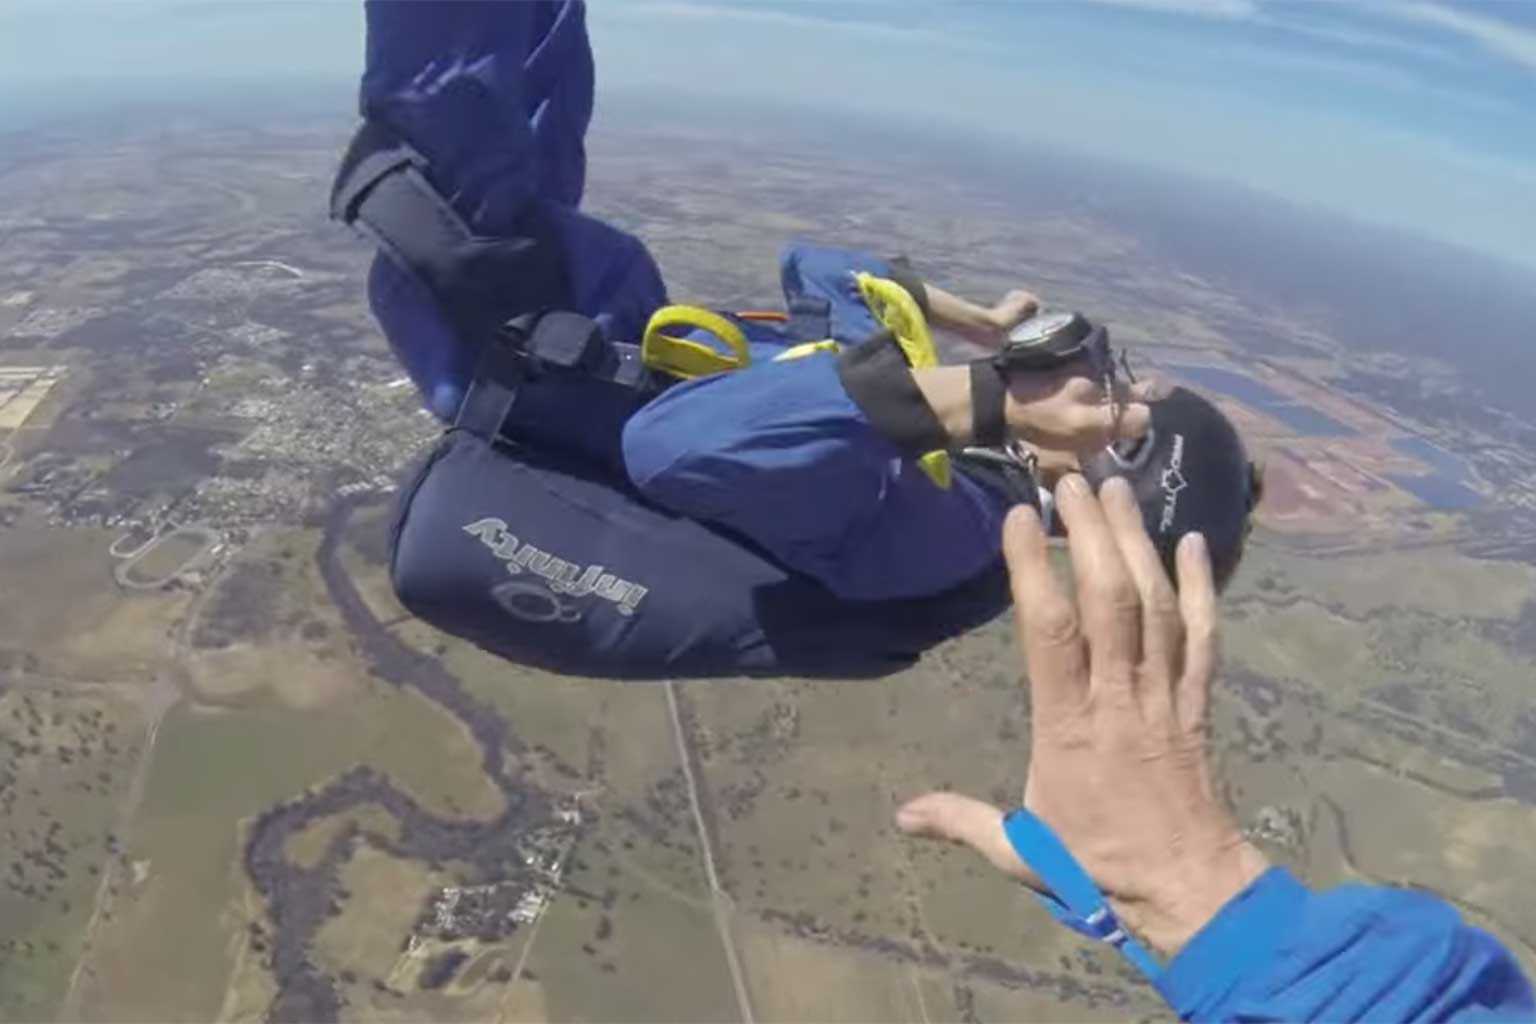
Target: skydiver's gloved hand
{"points": [[1119, 682]]}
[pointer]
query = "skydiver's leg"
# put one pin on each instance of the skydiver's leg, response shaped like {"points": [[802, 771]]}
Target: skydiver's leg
{"points": [[497, 97], [828, 273], [781, 454]]}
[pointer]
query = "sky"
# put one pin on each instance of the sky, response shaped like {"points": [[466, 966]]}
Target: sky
{"points": [[1419, 114]]}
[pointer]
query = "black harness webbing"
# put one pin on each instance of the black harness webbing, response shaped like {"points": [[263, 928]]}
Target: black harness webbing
{"points": [[810, 319], [503, 296], [383, 189]]}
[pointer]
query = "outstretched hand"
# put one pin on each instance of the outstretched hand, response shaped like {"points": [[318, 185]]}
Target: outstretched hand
{"points": [[1119, 682]]}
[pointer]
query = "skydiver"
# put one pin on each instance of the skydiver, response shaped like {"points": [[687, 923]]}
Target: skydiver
{"points": [[816, 459], [486, 104], [810, 509]]}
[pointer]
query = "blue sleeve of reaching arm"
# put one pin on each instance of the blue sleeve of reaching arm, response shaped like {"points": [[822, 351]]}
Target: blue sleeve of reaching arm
{"points": [[1278, 952]]}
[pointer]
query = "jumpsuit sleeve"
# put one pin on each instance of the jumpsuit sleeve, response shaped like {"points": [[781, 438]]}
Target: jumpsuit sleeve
{"points": [[1278, 952]]}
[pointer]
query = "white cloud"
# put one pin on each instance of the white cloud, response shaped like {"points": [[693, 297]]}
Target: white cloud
{"points": [[1357, 71], [1493, 34], [1356, 39], [801, 18], [1228, 9]]}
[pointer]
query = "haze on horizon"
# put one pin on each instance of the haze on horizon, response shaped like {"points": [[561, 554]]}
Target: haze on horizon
{"points": [[1413, 115]]}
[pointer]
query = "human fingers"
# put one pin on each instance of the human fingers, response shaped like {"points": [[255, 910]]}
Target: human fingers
{"points": [[1197, 608], [1021, 303], [1162, 628], [1107, 602], [1048, 625], [970, 822], [1132, 422]]}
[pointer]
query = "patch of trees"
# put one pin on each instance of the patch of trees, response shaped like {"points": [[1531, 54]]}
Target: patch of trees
{"points": [[245, 606], [440, 969]]}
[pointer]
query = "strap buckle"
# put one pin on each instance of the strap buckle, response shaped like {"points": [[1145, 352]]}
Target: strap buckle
{"points": [[499, 376]]}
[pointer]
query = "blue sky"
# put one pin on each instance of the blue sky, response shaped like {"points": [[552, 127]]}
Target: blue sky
{"points": [[1415, 113]]}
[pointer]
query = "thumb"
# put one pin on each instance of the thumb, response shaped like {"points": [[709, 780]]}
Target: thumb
{"points": [[970, 822], [1130, 417], [1100, 419], [1132, 422]]}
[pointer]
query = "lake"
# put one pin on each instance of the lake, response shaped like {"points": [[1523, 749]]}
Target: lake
{"points": [[1300, 418], [1444, 488]]}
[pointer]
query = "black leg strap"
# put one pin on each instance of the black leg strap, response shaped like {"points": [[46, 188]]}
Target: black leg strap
{"points": [[384, 190], [810, 319]]}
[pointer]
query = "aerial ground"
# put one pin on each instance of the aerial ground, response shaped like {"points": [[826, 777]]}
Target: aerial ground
{"points": [[238, 781]]}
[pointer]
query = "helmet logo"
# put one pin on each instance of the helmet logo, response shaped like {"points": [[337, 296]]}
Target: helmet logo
{"points": [[1173, 482]]}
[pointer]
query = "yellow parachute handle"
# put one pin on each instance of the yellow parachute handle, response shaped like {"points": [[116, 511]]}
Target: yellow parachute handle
{"points": [[688, 359], [806, 348], [895, 307], [938, 468]]}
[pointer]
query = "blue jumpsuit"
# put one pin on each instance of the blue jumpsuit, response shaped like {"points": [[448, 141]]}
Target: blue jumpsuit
{"points": [[742, 548], [497, 97], [778, 454]]}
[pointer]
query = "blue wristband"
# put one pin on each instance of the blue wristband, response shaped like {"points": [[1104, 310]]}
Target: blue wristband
{"points": [[1073, 898]]}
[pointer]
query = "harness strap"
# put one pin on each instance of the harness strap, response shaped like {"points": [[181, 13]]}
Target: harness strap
{"points": [[383, 189], [810, 319], [1008, 469], [543, 376], [491, 395], [1074, 899]]}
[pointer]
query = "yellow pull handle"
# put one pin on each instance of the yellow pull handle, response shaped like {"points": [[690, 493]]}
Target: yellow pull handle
{"points": [[688, 359], [806, 348], [895, 307]]}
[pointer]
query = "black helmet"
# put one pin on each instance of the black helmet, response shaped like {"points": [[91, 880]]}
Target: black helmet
{"points": [[1190, 472]]}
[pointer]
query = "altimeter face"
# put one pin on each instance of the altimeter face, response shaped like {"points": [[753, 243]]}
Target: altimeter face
{"points": [[1041, 328]]}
